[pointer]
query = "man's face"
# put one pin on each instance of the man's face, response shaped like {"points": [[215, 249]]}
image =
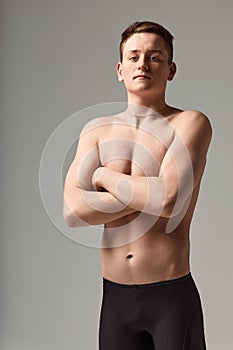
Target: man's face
{"points": [[145, 68]]}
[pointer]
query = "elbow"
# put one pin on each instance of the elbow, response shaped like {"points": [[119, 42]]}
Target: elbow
{"points": [[69, 219], [170, 209], [174, 207], [72, 218], [69, 223], [68, 214], [75, 212]]}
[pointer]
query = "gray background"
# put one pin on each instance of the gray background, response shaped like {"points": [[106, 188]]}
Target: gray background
{"points": [[58, 57]]}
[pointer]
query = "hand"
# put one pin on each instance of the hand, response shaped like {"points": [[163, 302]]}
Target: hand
{"points": [[96, 179]]}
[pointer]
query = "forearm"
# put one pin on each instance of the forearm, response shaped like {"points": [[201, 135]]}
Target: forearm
{"points": [[169, 194], [82, 208], [145, 194]]}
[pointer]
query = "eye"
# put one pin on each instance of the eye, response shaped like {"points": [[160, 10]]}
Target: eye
{"points": [[154, 58], [133, 58]]}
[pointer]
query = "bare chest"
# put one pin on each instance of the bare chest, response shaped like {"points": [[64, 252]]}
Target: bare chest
{"points": [[135, 146]]}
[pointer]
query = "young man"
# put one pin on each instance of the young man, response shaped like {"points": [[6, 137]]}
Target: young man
{"points": [[139, 173]]}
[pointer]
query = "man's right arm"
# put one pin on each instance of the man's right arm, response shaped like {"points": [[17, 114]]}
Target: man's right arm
{"points": [[82, 205]]}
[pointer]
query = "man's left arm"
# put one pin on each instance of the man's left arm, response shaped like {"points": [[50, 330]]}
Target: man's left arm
{"points": [[181, 169]]}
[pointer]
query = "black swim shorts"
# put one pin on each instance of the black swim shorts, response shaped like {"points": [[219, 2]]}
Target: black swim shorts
{"points": [[164, 315]]}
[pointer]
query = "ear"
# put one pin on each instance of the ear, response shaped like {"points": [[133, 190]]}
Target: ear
{"points": [[172, 71], [119, 72]]}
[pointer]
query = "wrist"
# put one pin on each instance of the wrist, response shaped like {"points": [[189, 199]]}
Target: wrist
{"points": [[98, 176], [95, 178]]}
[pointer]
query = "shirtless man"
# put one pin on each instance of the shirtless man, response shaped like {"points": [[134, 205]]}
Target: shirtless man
{"points": [[132, 173]]}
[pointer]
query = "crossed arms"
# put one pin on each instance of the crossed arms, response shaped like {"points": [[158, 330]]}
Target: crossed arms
{"points": [[163, 195], [82, 205]]}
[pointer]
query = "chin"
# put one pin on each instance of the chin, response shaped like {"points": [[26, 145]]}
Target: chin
{"points": [[145, 91]]}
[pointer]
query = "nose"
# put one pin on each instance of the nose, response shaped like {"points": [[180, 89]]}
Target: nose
{"points": [[143, 64]]}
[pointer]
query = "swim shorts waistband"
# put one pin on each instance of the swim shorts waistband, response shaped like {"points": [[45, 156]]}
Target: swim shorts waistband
{"points": [[153, 284]]}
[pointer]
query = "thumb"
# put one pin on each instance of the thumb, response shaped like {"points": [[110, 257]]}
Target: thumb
{"points": [[95, 178]]}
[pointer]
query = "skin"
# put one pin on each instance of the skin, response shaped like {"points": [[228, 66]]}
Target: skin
{"points": [[111, 160]]}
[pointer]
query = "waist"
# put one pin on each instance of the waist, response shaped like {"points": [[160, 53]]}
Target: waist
{"points": [[180, 279]]}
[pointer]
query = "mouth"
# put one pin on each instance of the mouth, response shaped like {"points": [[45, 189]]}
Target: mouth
{"points": [[141, 76]]}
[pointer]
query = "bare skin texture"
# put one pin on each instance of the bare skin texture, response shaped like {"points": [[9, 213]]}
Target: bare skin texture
{"points": [[139, 172]]}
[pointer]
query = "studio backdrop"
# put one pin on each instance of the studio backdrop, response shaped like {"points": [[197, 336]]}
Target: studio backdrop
{"points": [[58, 60]]}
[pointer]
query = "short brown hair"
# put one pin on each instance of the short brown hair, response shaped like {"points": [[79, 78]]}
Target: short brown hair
{"points": [[148, 27]]}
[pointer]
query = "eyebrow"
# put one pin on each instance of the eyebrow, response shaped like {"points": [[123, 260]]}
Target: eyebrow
{"points": [[155, 50]]}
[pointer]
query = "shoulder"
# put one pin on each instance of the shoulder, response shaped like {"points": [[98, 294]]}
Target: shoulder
{"points": [[194, 129], [96, 124], [194, 122], [195, 116]]}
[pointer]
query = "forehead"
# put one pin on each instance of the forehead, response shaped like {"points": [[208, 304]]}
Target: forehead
{"points": [[144, 41]]}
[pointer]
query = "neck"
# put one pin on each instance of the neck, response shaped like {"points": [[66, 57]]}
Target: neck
{"points": [[156, 104]]}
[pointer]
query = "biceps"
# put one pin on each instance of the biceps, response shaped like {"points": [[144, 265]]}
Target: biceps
{"points": [[182, 169], [85, 167], [85, 162]]}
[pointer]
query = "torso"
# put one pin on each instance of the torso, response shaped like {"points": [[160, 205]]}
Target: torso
{"points": [[155, 255]]}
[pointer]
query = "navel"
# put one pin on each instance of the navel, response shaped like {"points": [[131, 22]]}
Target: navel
{"points": [[129, 256]]}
